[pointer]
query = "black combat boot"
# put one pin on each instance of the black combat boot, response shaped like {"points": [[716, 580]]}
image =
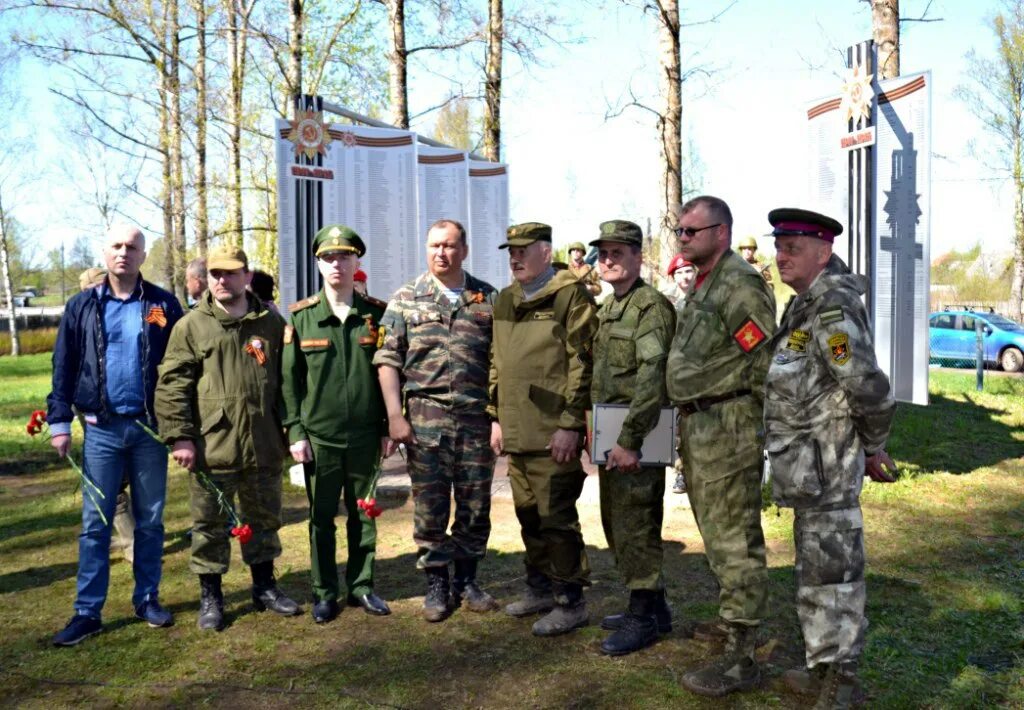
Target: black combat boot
{"points": [[840, 688], [464, 588], [267, 595], [662, 613], [570, 611], [211, 603], [437, 605], [639, 628], [735, 670]]}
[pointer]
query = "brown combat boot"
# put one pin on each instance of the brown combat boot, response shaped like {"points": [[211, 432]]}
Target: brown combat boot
{"points": [[716, 631], [840, 688], [735, 670], [805, 681]]}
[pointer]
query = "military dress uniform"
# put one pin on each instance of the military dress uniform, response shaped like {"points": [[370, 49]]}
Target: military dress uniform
{"points": [[716, 370], [541, 368], [333, 400], [219, 387], [442, 350], [630, 353], [827, 405]]}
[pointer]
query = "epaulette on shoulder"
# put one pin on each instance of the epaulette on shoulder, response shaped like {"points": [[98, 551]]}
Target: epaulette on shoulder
{"points": [[304, 303], [375, 302]]}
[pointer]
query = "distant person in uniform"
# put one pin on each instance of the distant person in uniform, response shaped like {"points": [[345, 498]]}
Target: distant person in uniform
{"points": [[748, 250], [218, 402], [682, 272], [630, 352], [716, 370], [336, 420], [586, 273], [828, 410], [541, 367], [435, 360], [195, 280]]}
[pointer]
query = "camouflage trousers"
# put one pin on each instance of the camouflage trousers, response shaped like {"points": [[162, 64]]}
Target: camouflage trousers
{"points": [[722, 463], [632, 510], [461, 465], [338, 474], [831, 593], [258, 494], [544, 494]]}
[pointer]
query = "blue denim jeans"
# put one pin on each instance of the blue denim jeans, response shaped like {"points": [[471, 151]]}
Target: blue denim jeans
{"points": [[115, 449]]}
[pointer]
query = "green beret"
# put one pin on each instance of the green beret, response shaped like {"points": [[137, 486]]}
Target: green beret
{"points": [[337, 237], [621, 231], [523, 235]]}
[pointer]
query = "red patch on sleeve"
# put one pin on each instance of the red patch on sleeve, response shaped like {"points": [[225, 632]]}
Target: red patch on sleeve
{"points": [[749, 336]]}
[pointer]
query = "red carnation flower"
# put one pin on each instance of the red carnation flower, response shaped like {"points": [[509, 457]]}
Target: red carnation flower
{"points": [[242, 532]]}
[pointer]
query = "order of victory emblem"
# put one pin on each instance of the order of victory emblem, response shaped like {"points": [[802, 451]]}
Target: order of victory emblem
{"points": [[857, 94], [309, 134]]}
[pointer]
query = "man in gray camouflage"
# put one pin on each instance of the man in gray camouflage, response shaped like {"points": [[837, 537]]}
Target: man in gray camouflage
{"points": [[630, 351], [434, 357], [828, 409], [715, 376]]}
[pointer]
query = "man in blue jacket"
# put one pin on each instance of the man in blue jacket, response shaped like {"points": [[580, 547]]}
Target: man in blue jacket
{"points": [[110, 341]]}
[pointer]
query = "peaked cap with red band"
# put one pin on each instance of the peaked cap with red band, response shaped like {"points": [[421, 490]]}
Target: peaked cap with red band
{"points": [[792, 222]]}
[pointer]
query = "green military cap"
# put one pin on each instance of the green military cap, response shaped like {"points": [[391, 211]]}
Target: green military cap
{"points": [[792, 222], [577, 245], [525, 234], [621, 231], [747, 243], [226, 257], [337, 237]]}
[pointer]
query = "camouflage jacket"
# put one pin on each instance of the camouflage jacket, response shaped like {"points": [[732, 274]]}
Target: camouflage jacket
{"points": [[827, 401], [541, 362], [588, 276], [331, 392], [216, 390], [721, 333], [630, 352], [442, 351]]}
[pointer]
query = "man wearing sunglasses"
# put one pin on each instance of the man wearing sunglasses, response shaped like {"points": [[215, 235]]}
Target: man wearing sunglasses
{"points": [[716, 370]]}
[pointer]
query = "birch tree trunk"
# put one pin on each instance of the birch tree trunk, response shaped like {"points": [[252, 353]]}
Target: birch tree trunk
{"points": [[398, 65], [238, 12], [492, 81], [202, 224], [293, 80], [885, 30], [670, 121], [5, 264], [177, 161], [167, 173]]}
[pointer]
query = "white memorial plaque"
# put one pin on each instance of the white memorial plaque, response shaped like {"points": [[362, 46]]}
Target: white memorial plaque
{"points": [[443, 187], [659, 447], [488, 222]]}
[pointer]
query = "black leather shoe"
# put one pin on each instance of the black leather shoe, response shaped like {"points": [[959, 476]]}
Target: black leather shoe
{"points": [[636, 632], [325, 610], [371, 603]]}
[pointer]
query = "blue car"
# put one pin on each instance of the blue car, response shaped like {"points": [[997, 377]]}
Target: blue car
{"points": [[952, 337]]}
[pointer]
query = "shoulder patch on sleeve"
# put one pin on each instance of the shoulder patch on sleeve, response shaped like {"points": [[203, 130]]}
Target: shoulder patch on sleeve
{"points": [[749, 335], [832, 315], [839, 344], [304, 303]]}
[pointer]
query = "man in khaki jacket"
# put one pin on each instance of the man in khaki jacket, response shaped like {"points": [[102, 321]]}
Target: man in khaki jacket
{"points": [[539, 393], [218, 402]]}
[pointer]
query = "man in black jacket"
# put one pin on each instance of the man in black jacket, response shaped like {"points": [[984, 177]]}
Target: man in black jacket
{"points": [[110, 341]]}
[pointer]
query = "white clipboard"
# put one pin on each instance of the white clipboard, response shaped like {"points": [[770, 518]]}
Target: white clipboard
{"points": [[659, 447]]}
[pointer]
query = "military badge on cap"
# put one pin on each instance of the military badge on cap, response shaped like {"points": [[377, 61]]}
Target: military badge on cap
{"points": [[620, 231], [525, 234], [337, 238]]}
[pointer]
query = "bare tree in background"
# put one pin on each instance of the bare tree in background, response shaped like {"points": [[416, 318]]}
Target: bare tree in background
{"points": [[995, 94], [202, 220], [492, 80], [10, 154]]}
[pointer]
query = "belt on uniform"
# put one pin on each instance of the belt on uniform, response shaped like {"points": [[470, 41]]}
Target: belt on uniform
{"points": [[699, 405]]}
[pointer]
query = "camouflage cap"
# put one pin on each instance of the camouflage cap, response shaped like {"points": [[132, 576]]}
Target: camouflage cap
{"points": [[525, 234], [227, 258], [91, 277], [747, 242], [792, 222], [621, 231], [577, 245], [337, 238]]}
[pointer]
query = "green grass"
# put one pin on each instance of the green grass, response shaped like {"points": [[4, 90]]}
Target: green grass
{"points": [[945, 580]]}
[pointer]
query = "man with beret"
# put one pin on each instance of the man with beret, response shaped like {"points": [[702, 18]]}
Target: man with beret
{"points": [[539, 389], [435, 359], [716, 372], [682, 272], [579, 268], [336, 420], [828, 409], [218, 402], [630, 352]]}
